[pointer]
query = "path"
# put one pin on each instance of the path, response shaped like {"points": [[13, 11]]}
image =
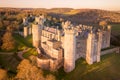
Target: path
{"points": [[6, 53], [20, 53]]}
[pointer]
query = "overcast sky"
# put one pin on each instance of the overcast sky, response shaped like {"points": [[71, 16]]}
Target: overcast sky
{"points": [[96, 4]]}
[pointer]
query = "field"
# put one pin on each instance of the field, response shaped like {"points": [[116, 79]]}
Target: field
{"points": [[116, 27], [25, 43], [107, 69]]}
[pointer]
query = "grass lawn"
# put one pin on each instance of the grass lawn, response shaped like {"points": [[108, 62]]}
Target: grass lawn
{"points": [[31, 51], [116, 27], [107, 69], [23, 43]]}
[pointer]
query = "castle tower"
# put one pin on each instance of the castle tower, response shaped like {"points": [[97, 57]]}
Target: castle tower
{"points": [[25, 32], [108, 35], [25, 21], [69, 50], [99, 45], [93, 47], [90, 48], [37, 19], [30, 30], [59, 35], [36, 35]]}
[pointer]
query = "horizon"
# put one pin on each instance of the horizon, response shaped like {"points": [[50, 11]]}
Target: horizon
{"points": [[86, 4]]}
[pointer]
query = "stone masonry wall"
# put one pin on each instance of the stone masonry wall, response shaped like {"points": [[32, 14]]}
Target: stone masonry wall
{"points": [[81, 48], [116, 50]]}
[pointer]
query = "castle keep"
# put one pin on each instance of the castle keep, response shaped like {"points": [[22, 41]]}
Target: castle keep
{"points": [[63, 47]]}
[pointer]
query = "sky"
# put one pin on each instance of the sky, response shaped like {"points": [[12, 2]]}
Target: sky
{"points": [[77, 4]]}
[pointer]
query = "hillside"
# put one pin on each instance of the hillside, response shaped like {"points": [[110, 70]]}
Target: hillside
{"points": [[89, 16], [74, 15]]}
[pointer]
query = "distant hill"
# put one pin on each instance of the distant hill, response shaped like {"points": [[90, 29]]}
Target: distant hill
{"points": [[84, 16], [88, 15]]}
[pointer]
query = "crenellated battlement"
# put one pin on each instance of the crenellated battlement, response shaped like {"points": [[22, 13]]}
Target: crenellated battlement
{"points": [[69, 31]]}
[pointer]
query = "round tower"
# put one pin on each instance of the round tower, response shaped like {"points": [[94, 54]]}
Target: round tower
{"points": [[108, 35], [25, 32], [36, 35], [59, 35], [90, 48], [99, 45], [69, 50]]}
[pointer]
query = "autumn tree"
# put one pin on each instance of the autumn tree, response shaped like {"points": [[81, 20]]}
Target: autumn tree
{"points": [[28, 71], [103, 23], [50, 77], [3, 74], [8, 42], [1, 25]]}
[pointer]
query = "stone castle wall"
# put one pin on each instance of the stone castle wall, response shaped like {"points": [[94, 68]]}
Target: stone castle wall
{"points": [[48, 64], [43, 63], [54, 53], [48, 35], [81, 48], [106, 37], [113, 50]]}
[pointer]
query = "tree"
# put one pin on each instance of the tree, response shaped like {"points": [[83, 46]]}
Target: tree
{"points": [[103, 23], [27, 71], [50, 77], [1, 25], [8, 42], [3, 74]]}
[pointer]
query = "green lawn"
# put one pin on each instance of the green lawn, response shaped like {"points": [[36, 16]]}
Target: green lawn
{"points": [[107, 69], [115, 27], [23, 43], [31, 51]]}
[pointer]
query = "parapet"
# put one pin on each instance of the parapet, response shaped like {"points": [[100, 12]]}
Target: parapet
{"points": [[70, 31], [66, 24], [54, 43]]}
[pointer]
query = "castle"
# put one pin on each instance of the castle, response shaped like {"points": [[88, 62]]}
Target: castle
{"points": [[63, 47]]}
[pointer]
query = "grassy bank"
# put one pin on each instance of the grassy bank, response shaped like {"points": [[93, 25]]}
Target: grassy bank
{"points": [[107, 69], [116, 27]]}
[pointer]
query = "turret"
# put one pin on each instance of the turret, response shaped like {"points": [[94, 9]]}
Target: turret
{"points": [[93, 47], [36, 34], [25, 32], [25, 21], [99, 45], [89, 52], [69, 50], [108, 35], [40, 20], [59, 35]]}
